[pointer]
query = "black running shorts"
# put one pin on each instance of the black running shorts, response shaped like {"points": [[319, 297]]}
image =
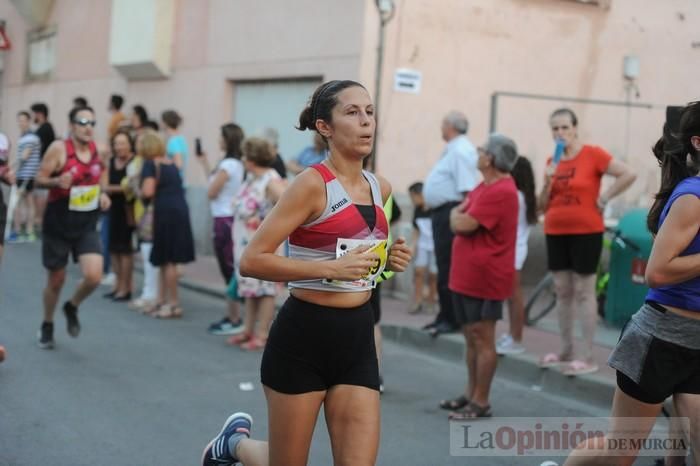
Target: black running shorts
{"points": [[312, 348], [55, 249], [578, 253]]}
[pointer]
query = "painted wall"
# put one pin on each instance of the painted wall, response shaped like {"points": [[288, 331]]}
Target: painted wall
{"points": [[467, 50]]}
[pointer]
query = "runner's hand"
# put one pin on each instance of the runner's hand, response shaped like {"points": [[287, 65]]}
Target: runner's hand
{"points": [[105, 202], [65, 180], [399, 255], [354, 265]]}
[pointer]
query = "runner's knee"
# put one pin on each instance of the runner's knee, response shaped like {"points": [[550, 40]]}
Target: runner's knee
{"points": [[56, 279]]}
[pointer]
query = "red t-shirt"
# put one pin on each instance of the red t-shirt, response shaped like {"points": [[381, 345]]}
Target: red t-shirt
{"points": [[572, 207], [483, 262]]}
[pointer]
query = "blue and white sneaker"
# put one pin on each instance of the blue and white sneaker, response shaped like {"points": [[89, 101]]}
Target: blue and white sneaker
{"points": [[217, 452]]}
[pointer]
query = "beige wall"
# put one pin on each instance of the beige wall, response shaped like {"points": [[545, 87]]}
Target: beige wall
{"points": [[466, 50], [216, 42]]}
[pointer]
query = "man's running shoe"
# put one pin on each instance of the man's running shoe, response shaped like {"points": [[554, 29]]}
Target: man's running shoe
{"points": [[226, 327], [30, 237], [217, 453], [73, 324], [46, 336]]}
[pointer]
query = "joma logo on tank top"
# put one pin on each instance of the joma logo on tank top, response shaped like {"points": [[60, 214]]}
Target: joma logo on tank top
{"points": [[339, 204]]}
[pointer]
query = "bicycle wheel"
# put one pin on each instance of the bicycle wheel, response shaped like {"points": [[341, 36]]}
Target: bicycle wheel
{"points": [[541, 301]]}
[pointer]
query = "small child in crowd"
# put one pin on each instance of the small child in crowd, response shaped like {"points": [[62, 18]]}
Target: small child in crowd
{"points": [[423, 253]]}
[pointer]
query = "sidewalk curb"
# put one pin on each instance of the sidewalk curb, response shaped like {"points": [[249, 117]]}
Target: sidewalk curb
{"points": [[522, 368]]}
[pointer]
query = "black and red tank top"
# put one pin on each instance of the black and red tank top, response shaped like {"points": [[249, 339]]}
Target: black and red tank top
{"points": [[84, 174], [73, 212]]}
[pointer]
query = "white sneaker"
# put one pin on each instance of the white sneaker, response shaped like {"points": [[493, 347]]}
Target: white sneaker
{"points": [[109, 279], [504, 338], [509, 346]]}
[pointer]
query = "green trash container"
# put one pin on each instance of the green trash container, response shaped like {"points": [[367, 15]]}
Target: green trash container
{"points": [[626, 287]]}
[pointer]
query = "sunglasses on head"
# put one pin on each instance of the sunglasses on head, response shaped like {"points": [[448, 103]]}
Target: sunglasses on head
{"points": [[84, 122]]}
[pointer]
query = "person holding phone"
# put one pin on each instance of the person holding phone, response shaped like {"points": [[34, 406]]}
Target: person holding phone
{"points": [[573, 224], [224, 183]]}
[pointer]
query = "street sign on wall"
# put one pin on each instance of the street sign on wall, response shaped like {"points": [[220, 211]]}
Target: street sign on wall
{"points": [[407, 80]]}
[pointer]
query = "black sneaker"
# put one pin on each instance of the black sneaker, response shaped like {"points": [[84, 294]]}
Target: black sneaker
{"points": [[73, 324], [46, 336], [226, 327]]}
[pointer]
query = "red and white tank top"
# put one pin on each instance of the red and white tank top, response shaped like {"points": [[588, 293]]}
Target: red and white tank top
{"points": [[84, 192], [340, 228]]}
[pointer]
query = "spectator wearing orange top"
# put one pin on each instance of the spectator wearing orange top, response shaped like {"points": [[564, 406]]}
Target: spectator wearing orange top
{"points": [[573, 225]]}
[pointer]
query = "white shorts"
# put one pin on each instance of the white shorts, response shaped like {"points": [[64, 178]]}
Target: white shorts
{"points": [[520, 256], [425, 258]]}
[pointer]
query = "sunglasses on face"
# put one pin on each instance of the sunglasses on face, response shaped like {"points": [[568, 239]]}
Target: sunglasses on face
{"points": [[84, 122]]}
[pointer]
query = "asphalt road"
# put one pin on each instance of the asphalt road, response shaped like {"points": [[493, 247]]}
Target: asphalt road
{"points": [[133, 390]]}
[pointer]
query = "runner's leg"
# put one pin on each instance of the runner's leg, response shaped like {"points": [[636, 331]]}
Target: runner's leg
{"points": [[353, 419], [290, 441], [91, 269]]}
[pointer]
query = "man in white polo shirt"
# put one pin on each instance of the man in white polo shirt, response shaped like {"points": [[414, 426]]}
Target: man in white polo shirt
{"points": [[449, 181]]}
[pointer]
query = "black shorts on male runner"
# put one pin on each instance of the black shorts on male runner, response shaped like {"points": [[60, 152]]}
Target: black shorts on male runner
{"points": [[55, 249]]}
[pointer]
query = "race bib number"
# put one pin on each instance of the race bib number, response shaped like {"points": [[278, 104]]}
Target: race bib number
{"points": [[84, 198], [380, 247]]}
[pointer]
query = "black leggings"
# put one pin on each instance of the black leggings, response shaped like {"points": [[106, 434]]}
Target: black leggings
{"points": [[312, 348]]}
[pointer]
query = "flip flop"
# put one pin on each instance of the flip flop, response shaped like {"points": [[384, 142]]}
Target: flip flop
{"points": [[168, 312], [551, 360], [578, 367], [471, 411]]}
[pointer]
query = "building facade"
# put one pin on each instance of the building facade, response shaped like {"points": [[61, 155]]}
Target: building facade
{"points": [[256, 63]]}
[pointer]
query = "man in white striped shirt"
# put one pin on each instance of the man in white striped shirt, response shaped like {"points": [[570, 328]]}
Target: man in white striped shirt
{"points": [[28, 160]]}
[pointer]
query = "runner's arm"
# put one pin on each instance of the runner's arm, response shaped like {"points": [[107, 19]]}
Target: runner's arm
{"points": [[50, 164], [303, 201], [666, 266]]}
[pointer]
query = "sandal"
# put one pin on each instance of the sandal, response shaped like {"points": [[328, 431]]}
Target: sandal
{"points": [[552, 360], [237, 340], [254, 344], [454, 404], [578, 367], [151, 309], [471, 411], [168, 312]]}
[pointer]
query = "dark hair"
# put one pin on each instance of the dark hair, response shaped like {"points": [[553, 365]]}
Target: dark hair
{"points": [[24, 113], [171, 119], [141, 112], [80, 101], [322, 102], [259, 151], [565, 111], [677, 158], [416, 188], [232, 135], [116, 101], [40, 108], [151, 124], [525, 182], [123, 132], [74, 111]]}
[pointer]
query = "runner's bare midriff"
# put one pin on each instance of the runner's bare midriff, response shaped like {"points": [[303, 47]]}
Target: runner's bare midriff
{"points": [[683, 312], [332, 298]]}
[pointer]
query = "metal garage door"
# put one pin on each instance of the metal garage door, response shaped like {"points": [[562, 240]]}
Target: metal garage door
{"points": [[275, 104]]}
